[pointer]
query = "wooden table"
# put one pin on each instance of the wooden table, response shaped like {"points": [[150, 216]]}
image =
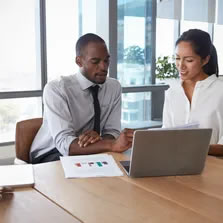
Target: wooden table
{"points": [[26, 205], [122, 199]]}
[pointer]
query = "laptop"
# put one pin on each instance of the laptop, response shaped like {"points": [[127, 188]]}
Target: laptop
{"points": [[168, 152]]}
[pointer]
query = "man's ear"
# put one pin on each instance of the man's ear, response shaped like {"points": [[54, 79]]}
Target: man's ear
{"points": [[78, 61], [206, 60]]}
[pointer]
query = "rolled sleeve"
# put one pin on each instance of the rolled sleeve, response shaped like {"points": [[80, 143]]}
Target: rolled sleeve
{"points": [[59, 118]]}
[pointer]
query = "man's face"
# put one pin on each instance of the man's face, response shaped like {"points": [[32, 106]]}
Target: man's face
{"points": [[94, 62]]}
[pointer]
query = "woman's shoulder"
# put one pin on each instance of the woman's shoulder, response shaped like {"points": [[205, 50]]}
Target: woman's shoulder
{"points": [[219, 80], [174, 89], [217, 83]]}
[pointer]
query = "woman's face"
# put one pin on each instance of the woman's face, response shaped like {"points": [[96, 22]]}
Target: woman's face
{"points": [[188, 63]]}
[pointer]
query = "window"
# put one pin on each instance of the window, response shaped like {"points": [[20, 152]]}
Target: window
{"points": [[185, 25], [136, 110], [218, 33], [19, 57], [125, 116], [165, 46], [135, 20], [38, 44], [20, 70], [62, 31], [135, 68], [12, 110]]}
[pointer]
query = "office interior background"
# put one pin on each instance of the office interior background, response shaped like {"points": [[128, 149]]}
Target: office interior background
{"points": [[37, 44]]}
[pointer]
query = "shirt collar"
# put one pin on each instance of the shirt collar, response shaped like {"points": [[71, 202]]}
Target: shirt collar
{"points": [[208, 81], [84, 82], [204, 83]]}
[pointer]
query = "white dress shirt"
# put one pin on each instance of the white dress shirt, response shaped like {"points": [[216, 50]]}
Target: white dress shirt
{"points": [[206, 107], [69, 111]]}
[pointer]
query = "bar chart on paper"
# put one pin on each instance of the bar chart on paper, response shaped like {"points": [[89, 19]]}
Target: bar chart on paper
{"points": [[91, 164], [99, 165]]}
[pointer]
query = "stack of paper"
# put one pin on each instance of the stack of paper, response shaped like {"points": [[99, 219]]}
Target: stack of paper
{"points": [[16, 175], [194, 125], [99, 165]]}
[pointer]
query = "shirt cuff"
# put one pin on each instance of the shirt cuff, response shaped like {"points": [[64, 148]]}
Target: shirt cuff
{"points": [[69, 140], [113, 133], [221, 141]]}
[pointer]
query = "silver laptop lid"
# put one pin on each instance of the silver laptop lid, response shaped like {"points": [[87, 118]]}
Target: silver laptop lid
{"points": [[163, 152]]}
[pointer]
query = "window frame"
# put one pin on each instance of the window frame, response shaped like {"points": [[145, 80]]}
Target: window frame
{"points": [[110, 15], [41, 35]]}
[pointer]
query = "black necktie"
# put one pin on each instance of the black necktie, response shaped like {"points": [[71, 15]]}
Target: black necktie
{"points": [[97, 110]]}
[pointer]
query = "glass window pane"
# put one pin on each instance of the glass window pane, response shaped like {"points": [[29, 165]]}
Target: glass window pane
{"points": [[185, 25], [134, 42], [13, 110], [19, 58], [88, 14], [136, 110], [62, 31], [165, 46], [218, 33]]}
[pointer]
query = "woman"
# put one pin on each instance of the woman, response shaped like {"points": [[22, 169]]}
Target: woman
{"points": [[199, 97]]}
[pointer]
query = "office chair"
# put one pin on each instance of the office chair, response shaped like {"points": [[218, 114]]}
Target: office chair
{"points": [[26, 130]]}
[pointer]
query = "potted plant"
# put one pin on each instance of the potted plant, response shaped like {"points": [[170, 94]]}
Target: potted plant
{"points": [[166, 69]]}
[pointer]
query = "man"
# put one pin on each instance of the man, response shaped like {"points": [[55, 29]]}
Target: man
{"points": [[77, 120]]}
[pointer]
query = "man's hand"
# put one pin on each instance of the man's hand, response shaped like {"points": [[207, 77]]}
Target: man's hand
{"points": [[5, 190], [124, 141], [87, 138]]}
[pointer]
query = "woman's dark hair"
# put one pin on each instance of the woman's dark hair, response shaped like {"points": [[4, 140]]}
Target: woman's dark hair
{"points": [[85, 39], [202, 46]]}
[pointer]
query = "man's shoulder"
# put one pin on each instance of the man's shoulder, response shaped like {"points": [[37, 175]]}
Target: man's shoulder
{"points": [[62, 81], [113, 82]]}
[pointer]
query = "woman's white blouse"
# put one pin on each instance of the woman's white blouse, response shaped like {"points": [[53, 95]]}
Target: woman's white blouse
{"points": [[206, 107]]}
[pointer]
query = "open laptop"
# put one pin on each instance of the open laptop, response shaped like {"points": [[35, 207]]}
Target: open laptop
{"points": [[168, 152]]}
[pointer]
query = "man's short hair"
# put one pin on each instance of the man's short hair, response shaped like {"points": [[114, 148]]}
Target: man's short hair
{"points": [[84, 40]]}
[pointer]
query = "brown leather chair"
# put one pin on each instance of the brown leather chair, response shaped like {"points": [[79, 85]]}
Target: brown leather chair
{"points": [[25, 132]]}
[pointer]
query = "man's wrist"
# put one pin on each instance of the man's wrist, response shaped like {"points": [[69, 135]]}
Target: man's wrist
{"points": [[107, 136], [108, 144]]}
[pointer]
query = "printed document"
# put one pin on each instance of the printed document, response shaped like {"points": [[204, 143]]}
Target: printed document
{"points": [[99, 165], [194, 125]]}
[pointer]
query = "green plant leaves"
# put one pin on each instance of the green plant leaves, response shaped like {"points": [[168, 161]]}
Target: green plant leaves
{"points": [[166, 68]]}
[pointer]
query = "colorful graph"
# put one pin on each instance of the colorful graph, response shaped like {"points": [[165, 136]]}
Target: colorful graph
{"points": [[92, 164]]}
